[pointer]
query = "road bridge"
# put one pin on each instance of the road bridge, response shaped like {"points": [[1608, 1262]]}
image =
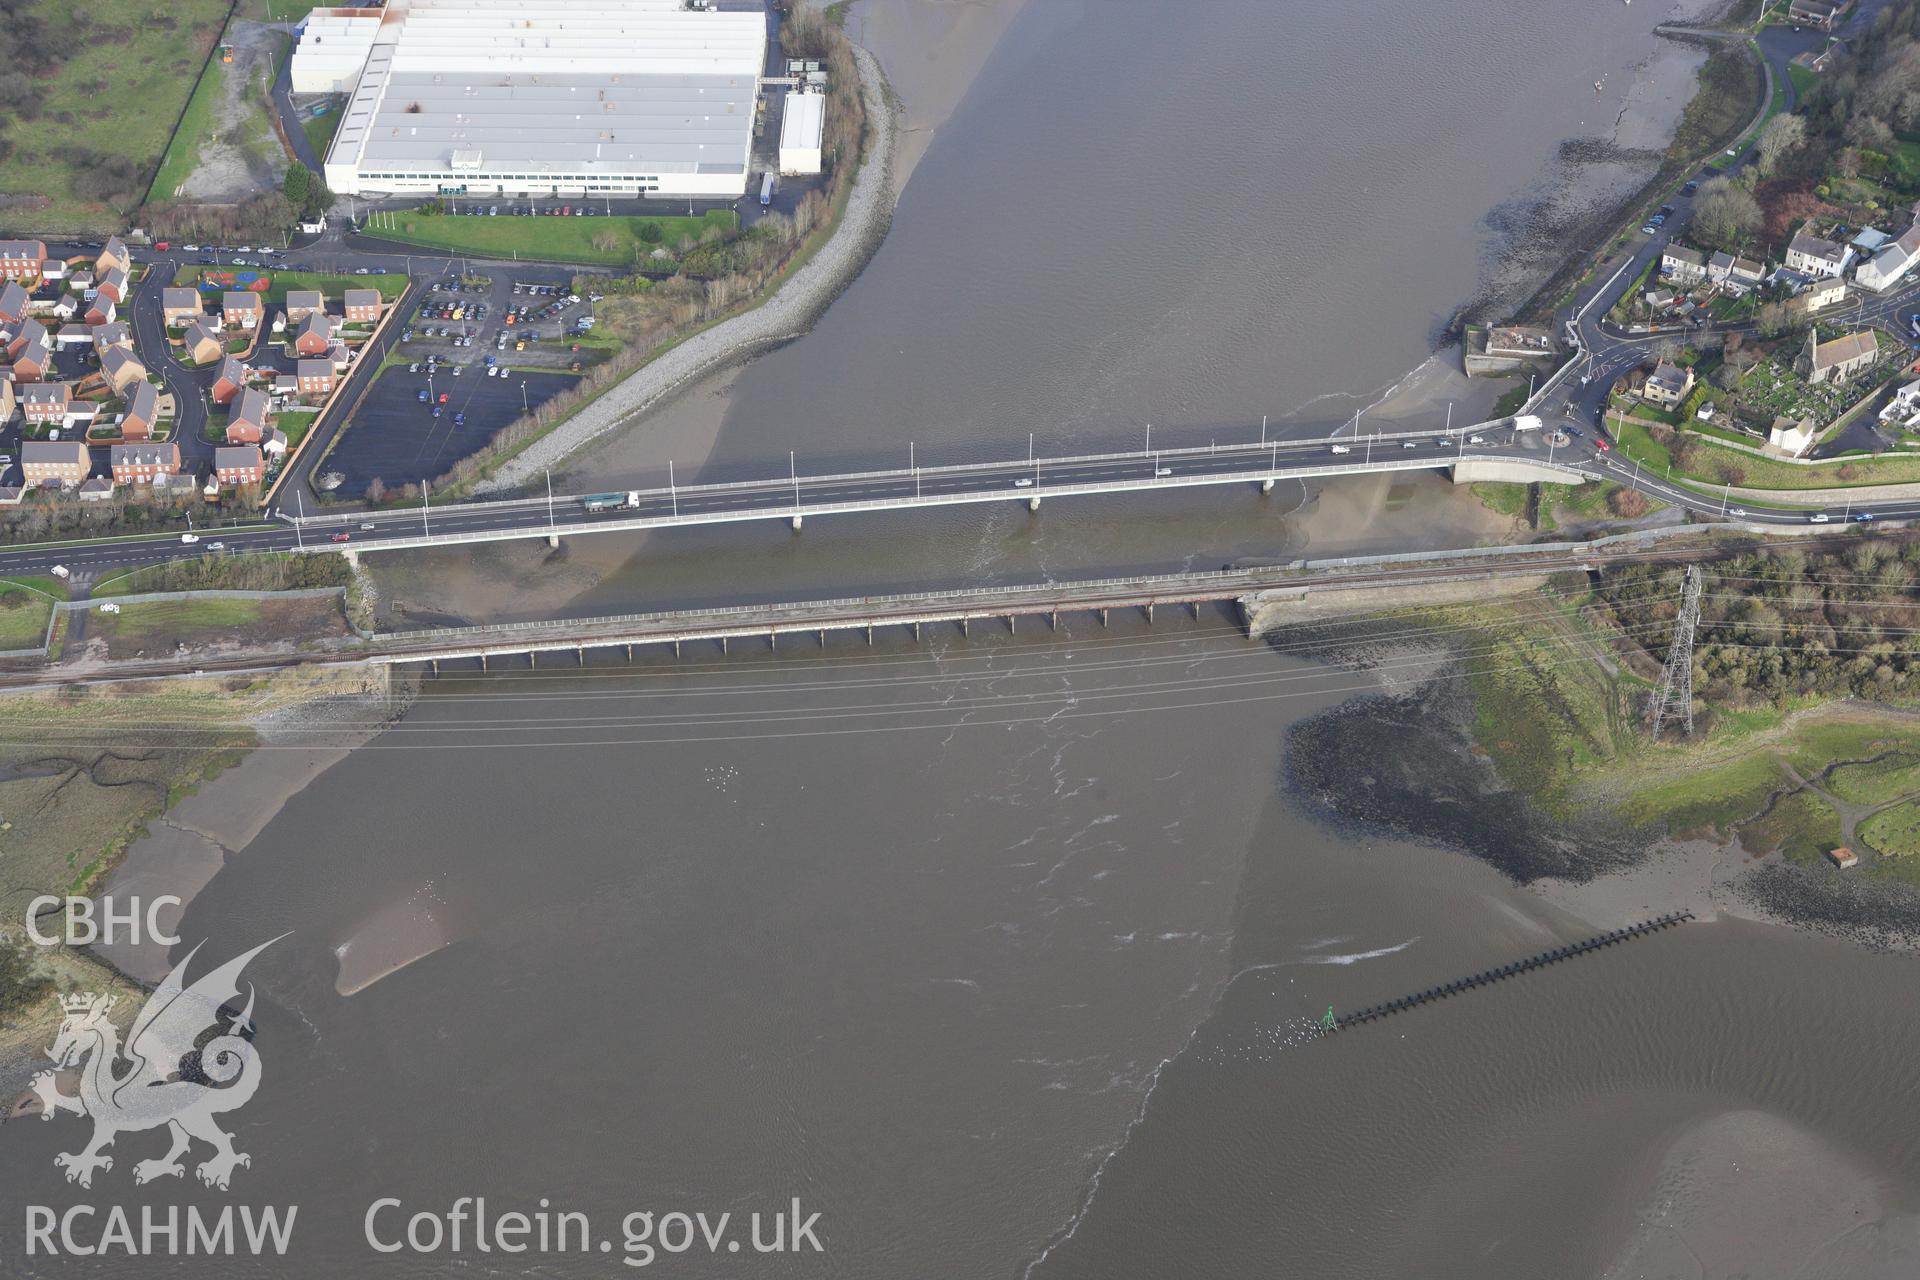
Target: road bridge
{"points": [[1484, 451]]}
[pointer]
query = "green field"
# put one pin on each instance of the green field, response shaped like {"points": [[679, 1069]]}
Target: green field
{"points": [[1895, 832], [548, 239], [1801, 826], [1878, 782], [183, 150], [170, 619], [279, 282], [23, 617], [98, 93]]}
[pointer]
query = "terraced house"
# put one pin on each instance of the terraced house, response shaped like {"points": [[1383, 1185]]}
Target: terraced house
{"points": [[144, 463], [23, 260]]}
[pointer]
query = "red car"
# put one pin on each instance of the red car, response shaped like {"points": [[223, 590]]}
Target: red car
{"points": [[1601, 445], [443, 397], [343, 537]]}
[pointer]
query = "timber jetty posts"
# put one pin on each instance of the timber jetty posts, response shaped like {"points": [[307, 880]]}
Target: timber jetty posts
{"points": [[1339, 1022]]}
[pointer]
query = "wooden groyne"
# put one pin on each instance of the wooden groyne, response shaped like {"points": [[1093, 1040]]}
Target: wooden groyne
{"points": [[1337, 1022]]}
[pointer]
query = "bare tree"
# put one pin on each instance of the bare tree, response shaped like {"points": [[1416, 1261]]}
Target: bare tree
{"points": [[1725, 214], [1777, 137]]}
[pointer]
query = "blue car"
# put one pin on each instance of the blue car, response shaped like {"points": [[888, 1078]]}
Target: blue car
{"points": [[1863, 517], [423, 395]]}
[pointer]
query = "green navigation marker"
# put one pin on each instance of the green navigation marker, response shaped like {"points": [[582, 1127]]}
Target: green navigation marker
{"points": [[1329, 1023]]}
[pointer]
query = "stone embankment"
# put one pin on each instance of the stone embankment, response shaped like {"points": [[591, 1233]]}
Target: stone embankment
{"points": [[786, 315]]}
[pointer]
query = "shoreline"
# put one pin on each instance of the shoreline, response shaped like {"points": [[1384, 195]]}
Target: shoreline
{"points": [[785, 314]]}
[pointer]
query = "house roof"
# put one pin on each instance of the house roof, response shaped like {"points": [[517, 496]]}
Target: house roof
{"points": [[144, 403], [1681, 253], [200, 331], [23, 249], [1813, 246], [145, 455], [231, 370], [113, 359], [44, 393], [239, 300], [111, 334], [229, 457], [314, 369], [13, 300], [1668, 375], [305, 298], [180, 299], [251, 406], [1850, 347], [315, 324], [53, 451], [363, 298]]}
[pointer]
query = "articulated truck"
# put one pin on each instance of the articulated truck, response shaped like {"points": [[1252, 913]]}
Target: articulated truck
{"points": [[609, 501]]}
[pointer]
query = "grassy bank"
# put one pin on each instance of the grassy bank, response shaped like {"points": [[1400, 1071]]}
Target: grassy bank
{"points": [[1755, 472], [595, 241]]}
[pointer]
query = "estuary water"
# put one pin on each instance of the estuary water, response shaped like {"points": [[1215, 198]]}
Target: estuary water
{"points": [[1003, 953]]}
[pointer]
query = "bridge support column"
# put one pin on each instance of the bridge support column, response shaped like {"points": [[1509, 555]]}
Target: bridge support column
{"points": [[1195, 605], [1033, 503], [773, 639], [630, 653], [963, 626], [676, 649], [916, 633], [1053, 620], [796, 524], [533, 657], [723, 644], [580, 653], [1149, 615], [869, 633], [1103, 618], [483, 662], [1012, 624], [1266, 486], [435, 664], [553, 540], [823, 637]]}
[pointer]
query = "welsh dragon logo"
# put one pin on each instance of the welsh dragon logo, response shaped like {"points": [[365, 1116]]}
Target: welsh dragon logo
{"points": [[167, 1073]]}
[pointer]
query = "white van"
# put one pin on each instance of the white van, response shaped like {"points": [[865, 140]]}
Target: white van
{"points": [[1341, 448]]}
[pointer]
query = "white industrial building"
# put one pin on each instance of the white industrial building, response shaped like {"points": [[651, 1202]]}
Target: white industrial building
{"points": [[333, 49], [801, 121], [547, 98]]}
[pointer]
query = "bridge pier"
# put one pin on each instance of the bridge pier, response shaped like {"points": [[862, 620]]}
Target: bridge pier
{"points": [[823, 638], [1033, 503], [676, 650], [773, 639], [1149, 614], [796, 524], [723, 644], [1053, 620], [869, 633], [580, 654], [630, 652], [963, 626], [1266, 486], [1012, 625], [1195, 606], [435, 664], [483, 662], [533, 658], [553, 540], [916, 633], [1103, 618]]}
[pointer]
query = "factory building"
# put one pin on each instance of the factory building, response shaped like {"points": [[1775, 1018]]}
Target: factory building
{"points": [[801, 122], [546, 98]]}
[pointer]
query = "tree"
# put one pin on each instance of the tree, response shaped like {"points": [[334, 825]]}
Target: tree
{"points": [[376, 489], [1778, 136], [606, 242], [296, 184], [20, 985], [1725, 214], [1773, 319], [650, 232]]}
